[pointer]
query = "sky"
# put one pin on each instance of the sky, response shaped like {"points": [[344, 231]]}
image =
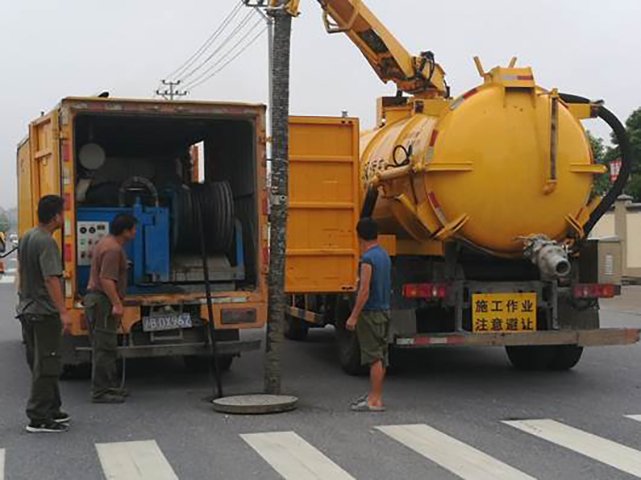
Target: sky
{"points": [[50, 49]]}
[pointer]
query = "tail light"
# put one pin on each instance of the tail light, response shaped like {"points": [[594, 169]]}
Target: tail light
{"points": [[596, 290], [425, 290]]}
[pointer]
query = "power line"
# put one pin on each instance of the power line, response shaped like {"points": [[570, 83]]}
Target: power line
{"points": [[226, 54], [210, 40], [216, 72], [172, 91], [234, 32]]}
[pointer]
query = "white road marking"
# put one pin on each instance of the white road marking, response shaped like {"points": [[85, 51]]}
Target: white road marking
{"points": [[134, 461], [10, 270], [7, 279], [293, 458], [634, 417], [1, 464], [459, 458], [605, 451]]}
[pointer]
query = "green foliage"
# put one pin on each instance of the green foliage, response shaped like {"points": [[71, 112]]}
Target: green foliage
{"points": [[605, 155], [4, 222], [602, 182]]}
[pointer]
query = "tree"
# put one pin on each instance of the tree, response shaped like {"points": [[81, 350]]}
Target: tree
{"points": [[633, 128], [279, 192], [602, 182], [5, 225]]}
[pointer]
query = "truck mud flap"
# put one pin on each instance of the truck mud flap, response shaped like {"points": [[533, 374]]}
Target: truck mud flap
{"points": [[582, 338]]}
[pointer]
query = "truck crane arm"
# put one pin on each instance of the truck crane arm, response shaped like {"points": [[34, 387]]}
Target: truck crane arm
{"points": [[417, 75]]}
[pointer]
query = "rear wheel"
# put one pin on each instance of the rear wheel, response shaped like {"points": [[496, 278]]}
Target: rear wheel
{"points": [[544, 357], [567, 356], [200, 364], [295, 328]]}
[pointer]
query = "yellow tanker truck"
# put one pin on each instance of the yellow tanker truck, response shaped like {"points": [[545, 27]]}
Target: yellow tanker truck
{"points": [[486, 203]]}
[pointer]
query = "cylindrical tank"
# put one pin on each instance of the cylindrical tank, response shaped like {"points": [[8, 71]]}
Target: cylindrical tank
{"points": [[505, 161]]}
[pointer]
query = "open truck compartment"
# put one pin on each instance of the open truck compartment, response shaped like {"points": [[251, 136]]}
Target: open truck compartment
{"points": [[164, 170]]}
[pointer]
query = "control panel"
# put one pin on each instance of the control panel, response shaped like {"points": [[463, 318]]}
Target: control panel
{"points": [[89, 234]]}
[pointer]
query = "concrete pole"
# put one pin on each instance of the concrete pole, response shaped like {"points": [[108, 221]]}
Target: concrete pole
{"points": [[279, 197]]}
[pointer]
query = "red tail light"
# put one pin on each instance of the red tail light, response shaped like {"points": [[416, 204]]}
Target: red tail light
{"points": [[595, 290], [425, 290]]}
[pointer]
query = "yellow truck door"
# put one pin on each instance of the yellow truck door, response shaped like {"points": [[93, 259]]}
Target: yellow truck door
{"points": [[45, 156], [324, 205], [26, 209]]}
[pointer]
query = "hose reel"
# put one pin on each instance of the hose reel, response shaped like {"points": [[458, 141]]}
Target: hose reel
{"points": [[216, 201]]}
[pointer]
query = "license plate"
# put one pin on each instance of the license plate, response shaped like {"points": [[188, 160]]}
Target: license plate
{"points": [[503, 312], [158, 323]]}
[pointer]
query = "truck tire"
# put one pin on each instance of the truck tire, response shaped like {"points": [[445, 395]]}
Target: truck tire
{"points": [[295, 328], [531, 358], [566, 357], [199, 364]]}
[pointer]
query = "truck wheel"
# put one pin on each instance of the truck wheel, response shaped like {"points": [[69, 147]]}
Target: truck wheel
{"points": [[531, 358], [566, 357], [295, 328], [199, 364]]}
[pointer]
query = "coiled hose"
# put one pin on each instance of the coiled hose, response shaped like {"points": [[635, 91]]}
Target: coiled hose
{"points": [[216, 201], [626, 159]]}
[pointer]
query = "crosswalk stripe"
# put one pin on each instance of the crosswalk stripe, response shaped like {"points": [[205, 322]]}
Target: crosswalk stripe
{"points": [[293, 458], [7, 279], [634, 417], [459, 458], [1, 464], [134, 461], [11, 270], [603, 450]]}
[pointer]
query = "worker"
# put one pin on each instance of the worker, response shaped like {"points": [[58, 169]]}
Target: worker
{"points": [[104, 307], [371, 313], [42, 313]]}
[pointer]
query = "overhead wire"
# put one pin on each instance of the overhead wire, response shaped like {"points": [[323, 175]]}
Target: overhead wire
{"points": [[243, 23], [207, 44], [222, 59], [216, 72]]}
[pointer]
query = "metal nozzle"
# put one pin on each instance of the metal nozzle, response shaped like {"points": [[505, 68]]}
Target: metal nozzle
{"points": [[549, 256]]}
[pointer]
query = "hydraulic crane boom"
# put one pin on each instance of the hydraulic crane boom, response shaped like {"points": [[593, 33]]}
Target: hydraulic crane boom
{"points": [[416, 75]]}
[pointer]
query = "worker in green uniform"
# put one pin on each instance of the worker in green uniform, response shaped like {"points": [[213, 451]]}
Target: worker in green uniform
{"points": [[104, 307], [41, 310]]}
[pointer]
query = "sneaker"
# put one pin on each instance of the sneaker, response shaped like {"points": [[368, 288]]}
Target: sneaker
{"points": [[108, 398], [61, 417], [122, 392], [47, 427]]}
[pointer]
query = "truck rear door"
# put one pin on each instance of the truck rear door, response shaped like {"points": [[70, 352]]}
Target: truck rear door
{"points": [[324, 205]]}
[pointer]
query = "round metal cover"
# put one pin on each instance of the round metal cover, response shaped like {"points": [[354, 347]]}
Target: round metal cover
{"points": [[92, 156]]}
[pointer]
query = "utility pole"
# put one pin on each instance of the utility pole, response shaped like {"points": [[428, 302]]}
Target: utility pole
{"points": [[282, 19], [171, 91]]}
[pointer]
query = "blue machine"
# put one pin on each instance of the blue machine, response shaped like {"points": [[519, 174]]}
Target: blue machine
{"points": [[149, 252]]}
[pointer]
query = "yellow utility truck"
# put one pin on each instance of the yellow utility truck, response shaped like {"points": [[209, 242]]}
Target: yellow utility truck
{"points": [[486, 202], [163, 162]]}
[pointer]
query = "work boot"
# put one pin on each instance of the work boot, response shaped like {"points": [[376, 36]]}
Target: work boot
{"points": [[108, 398]]}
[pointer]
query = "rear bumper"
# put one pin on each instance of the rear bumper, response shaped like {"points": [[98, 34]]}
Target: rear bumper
{"points": [[179, 349], [583, 338]]}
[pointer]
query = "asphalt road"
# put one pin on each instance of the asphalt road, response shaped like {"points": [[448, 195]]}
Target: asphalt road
{"points": [[456, 402]]}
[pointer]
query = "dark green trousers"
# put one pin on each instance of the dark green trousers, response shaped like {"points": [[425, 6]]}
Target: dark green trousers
{"points": [[104, 341], [42, 335]]}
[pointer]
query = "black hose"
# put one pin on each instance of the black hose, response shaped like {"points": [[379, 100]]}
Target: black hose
{"points": [[370, 202], [211, 331], [4, 255], [626, 159]]}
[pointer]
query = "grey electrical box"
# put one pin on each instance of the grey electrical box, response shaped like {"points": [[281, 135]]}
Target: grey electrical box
{"points": [[601, 261]]}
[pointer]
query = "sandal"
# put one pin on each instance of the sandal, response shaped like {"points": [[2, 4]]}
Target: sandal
{"points": [[364, 406]]}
